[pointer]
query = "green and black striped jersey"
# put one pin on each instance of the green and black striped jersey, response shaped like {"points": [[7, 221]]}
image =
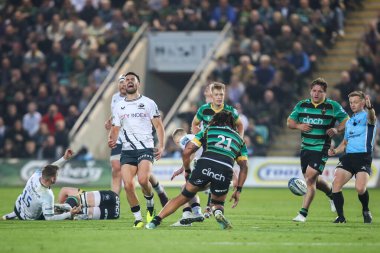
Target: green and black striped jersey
{"points": [[206, 112], [221, 143], [321, 117]]}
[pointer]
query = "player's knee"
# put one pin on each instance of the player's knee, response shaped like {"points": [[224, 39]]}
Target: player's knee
{"points": [[143, 181], [129, 186], [361, 189], [188, 194]]}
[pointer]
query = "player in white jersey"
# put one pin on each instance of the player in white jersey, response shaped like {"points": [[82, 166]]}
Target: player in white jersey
{"points": [[134, 117], [115, 152], [36, 202], [191, 211]]}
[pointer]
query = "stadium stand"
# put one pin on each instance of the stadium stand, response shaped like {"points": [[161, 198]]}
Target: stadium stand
{"points": [[55, 54]]}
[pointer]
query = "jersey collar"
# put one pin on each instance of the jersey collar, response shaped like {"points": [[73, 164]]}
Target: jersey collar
{"points": [[131, 100], [217, 110]]}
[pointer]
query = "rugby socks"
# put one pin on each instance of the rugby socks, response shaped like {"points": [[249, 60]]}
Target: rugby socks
{"points": [[304, 212], [196, 208], [364, 199], [158, 188], [329, 194], [156, 220], [338, 202], [149, 203], [136, 212], [186, 209]]}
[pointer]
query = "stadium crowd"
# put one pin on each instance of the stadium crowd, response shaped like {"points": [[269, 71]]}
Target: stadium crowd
{"points": [[56, 53]]}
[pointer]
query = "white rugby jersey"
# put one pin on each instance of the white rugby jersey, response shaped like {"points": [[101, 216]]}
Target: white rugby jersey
{"points": [[35, 199], [116, 98], [186, 139], [134, 119]]}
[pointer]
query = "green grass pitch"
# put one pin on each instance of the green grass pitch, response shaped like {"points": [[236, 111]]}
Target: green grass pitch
{"points": [[262, 223]]}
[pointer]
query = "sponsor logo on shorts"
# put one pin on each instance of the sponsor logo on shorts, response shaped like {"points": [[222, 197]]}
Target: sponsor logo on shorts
{"points": [[213, 175], [216, 190]]}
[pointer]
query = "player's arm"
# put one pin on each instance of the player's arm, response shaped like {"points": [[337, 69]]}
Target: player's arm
{"points": [[240, 127], [371, 116], [292, 124], [195, 125], [108, 123], [187, 155], [340, 149], [157, 123], [113, 135], [48, 210], [67, 156]]}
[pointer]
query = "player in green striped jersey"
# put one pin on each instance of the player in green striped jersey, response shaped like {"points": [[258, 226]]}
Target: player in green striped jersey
{"points": [[205, 114], [206, 111], [222, 145], [315, 118]]}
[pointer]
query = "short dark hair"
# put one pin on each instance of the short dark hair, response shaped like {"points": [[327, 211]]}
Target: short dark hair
{"points": [[319, 81], [133, 74], [49, 171], [223, 118]]}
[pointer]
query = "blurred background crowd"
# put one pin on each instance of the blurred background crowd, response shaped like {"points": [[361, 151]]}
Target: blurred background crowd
{"points": [[56, 53]]}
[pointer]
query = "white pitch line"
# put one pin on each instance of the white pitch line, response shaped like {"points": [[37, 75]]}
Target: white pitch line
{"points": [[291, 244]]}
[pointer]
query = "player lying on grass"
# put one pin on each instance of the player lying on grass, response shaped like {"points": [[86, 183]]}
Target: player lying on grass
{"points": [[96, 205], [36, 202], [222, 146]]}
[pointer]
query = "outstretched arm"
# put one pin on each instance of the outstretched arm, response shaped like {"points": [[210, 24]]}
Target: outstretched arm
{"points": [[67, 156]]}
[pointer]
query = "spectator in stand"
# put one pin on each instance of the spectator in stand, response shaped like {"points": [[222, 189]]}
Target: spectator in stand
{"points": [[254, 20], [12, 115], [266, 13], [55, 59], [84, 44], [55, 31], [88, 12], [286, 8], [266, 42], [8, 150], [255, 53], [105, 11], [222, 14], [31, 120], [265, 72], [300, 60], [268, 112], [97, 30], [61, 137], [222, 70], [3, 130], [30, 150], [17, 135], [72, 116], [49, 150], [5, 71], [51, 118], [369, 86], [34, 56], [304, 12], [102, 71], [345, 86], [16, 57], [275, 28], [285, 41], [245, 70], [235, 90], [85, 98], [356, 73]]}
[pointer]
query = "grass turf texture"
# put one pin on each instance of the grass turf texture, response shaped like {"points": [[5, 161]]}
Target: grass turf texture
{"points": [[262, 223]]}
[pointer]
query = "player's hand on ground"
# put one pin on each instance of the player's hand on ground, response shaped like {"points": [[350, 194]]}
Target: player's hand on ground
{"points": [[235, 196], [75, 210], [68, 154], [158, 153], [305, 127], [332, 131], [111, 143], [177, 172], [107, 124]]}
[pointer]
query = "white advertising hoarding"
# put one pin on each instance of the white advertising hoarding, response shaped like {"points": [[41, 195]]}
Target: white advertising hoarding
{"points": [[178, 51], [263, 171]]}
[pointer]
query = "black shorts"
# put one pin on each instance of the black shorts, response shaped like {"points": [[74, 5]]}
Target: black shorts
{"points": [[115, 152], [356, 162], [218, 175], [109, 205], [134, 157], [315, 159]]}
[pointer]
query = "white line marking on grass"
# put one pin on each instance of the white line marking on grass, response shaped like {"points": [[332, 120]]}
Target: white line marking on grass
{"points": [[291, 244]]}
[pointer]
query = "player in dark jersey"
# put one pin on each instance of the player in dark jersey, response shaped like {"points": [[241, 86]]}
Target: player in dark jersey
{"points": [[315, 118], [96, 205], [222, 145], [207, 111]]}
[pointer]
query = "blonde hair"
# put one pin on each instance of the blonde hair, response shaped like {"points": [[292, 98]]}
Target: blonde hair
{"points": [[359, 94], [179, 132], [217, 86]]}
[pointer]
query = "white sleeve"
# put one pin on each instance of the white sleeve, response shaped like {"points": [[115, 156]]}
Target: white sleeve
{"points": [[153, 110], [59, 162], [63, 216], [115, 117]]}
